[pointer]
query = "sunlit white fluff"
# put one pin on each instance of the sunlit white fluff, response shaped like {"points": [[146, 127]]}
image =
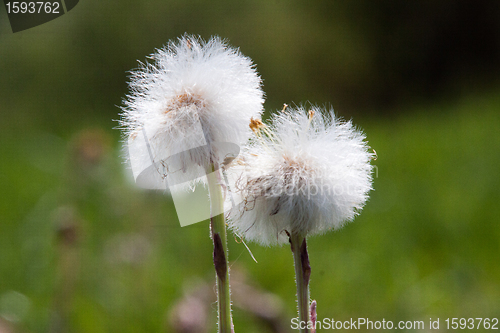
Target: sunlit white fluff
{"points": [[305, 174], [192, 94]]}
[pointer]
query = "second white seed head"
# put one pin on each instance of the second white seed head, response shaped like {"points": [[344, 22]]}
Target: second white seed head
{"points": [[307, 173]]}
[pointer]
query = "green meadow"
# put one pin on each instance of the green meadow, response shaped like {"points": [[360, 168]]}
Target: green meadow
{"points": [[80, 242]]}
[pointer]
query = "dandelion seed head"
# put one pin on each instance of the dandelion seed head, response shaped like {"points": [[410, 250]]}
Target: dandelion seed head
{"points": [[310, 174], [190, 94]]}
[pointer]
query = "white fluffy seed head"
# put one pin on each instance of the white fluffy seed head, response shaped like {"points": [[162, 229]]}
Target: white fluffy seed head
{"points": [[305, 174], [192, 94]]}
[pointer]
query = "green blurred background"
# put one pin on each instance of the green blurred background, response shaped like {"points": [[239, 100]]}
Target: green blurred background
{"points": [[83, 250]]}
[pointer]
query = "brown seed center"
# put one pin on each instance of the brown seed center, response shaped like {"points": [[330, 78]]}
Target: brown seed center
{"points": [[185, 100]]}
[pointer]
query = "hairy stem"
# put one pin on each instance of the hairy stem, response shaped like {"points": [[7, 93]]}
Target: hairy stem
{"points": [[302, 275], [219, 237]]}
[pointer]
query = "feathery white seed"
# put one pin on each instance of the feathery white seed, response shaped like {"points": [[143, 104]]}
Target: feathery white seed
{"points": [[309, 172], [192, 94]]}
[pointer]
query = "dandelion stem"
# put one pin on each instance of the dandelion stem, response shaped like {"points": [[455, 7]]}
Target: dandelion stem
{"points": [[302, 274], [219, 237]]}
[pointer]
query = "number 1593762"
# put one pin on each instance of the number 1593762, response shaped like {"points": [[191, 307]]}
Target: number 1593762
{"points": [[32, 7], [472, 323]]}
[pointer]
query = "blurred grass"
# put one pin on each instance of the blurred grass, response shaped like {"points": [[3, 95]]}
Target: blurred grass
{"points": [[426, 245]]}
